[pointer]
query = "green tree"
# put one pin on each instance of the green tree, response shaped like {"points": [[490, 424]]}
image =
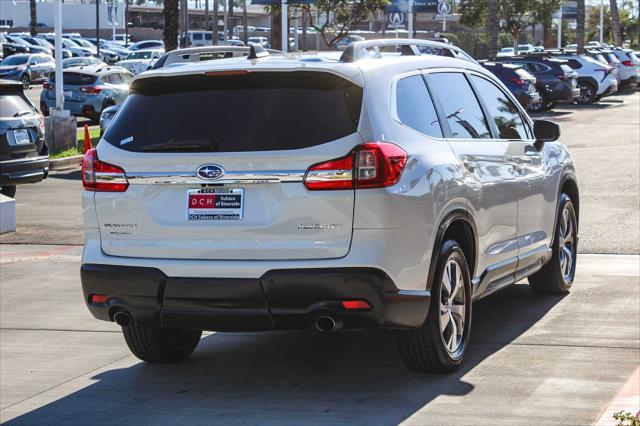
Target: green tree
{"points": [[543, 11], [171, 24], [492, 28], [342, 16]]}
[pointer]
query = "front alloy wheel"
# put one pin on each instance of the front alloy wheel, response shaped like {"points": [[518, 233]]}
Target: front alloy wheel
{"points": [[587, 94]]}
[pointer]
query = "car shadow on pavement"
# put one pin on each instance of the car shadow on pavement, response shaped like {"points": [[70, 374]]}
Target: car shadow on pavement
{"points": [[72, 174], [290, 377]]}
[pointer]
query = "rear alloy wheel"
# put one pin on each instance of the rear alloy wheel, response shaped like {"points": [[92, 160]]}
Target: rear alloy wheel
{"points": [[439, 345], [160, 344], [556, 277], [587, 93], [26, 82]]}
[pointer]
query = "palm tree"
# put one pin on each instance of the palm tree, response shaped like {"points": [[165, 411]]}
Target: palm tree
{"points": [[492, 27], [33, 23], [615, 23], [216, 8], [171, 24], [245, 30], [580, 26]]}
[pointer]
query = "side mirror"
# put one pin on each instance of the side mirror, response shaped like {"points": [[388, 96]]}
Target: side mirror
{"points": [[545, 131]]}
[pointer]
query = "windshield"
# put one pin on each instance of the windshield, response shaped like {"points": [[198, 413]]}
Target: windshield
{"points": [[139, 55], [18, 40], [69, 43], [84, 43], [279, 111], [507, 49], [15, 60]]}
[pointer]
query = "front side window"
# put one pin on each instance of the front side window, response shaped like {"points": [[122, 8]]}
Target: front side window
{"points": [[415, 107], [501, 109], [460, 106]]}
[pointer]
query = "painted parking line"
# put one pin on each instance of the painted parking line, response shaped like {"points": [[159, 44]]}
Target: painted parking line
{"points": [[58, 253]]}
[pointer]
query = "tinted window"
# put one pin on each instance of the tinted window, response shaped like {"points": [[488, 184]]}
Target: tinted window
{"points": [[126, 77], [197, 36], [259, 111], [76, 78], [415, 107], [574, 64], [504, 113], [10, 105], [460, 105]]}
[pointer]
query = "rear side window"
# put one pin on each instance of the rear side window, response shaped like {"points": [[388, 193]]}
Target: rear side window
{"points": [[574, 64], [503, 112], [460, 106], [415, 107], [11, 105], [256, 111]]}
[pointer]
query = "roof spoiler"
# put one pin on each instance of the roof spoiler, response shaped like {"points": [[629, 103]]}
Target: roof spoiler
{"points": [[257, 52]]}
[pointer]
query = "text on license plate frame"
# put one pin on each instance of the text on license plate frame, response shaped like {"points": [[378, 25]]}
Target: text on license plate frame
{"points": [[204, 206]]}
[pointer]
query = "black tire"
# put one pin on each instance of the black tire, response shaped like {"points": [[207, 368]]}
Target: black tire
{"points": [[587, 93], [550, 105], [161, 345], [540, 106], [554, 278], [26, 82], [424, 349], [9, 191]]}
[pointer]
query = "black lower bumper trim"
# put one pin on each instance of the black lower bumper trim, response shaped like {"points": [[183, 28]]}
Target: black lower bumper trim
{"points": [[280, 299], [27, 170]]}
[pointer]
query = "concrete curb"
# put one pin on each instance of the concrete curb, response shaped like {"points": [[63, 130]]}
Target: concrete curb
{"points": [[65, 163]]}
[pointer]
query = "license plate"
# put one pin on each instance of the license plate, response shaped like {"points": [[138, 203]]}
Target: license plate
{"points": [[21, 137], [215, 204]]}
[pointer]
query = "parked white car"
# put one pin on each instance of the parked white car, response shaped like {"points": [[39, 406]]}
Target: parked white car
{"points": [[595, 79], [141, 60], [629, 66], [506, 52]]}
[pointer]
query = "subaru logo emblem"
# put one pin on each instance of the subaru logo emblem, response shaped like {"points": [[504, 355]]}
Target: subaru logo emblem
{"points": [[210, 172]]}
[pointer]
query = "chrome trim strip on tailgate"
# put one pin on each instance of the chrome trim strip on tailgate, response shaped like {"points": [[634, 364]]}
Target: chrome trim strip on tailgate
{"points": [[190, 178]]}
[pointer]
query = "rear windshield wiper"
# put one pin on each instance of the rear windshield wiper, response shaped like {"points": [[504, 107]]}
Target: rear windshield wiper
{"points": [[185, 145], [21, 113]]}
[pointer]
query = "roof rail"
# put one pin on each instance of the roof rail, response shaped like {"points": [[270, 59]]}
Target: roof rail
{"points": [[257, 52], [406, 46]]}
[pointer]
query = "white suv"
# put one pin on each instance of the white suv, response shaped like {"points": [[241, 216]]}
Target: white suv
{"points": [[283, 192], [595, 79]]}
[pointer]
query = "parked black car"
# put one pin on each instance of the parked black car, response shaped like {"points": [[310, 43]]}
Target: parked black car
{"points": [[521, 83], [9, 48], [555, 80], [24, 155]]}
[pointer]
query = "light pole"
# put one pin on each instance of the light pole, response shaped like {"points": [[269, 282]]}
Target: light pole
{"points": [[560, 28], [601, 21], [284, 14], [58, 40], [410, 17]]}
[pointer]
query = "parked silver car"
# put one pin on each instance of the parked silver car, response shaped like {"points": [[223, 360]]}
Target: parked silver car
{"points": [[371, 191]]}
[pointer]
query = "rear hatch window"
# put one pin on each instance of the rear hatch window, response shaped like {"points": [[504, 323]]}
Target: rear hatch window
{"points": [[255, 111], [76, 79], [14, 105]]}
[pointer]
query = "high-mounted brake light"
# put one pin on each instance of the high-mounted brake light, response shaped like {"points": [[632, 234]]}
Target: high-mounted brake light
{"points": [[370, 165], [102, 177], [225, 73], [46, 85]]}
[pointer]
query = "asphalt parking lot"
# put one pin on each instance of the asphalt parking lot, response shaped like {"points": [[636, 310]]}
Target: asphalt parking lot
{"points": [[532, 359]]}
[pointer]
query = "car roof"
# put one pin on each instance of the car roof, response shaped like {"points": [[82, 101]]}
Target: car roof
{"points": [[94, 69], [148, 50], [354, 71]]}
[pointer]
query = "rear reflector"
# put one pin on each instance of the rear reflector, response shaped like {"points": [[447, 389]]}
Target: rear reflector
{"points": [[370, 165], [98, 298], [102, 177], [355, 304]]}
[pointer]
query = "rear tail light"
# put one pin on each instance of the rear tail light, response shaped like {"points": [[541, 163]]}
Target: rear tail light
{"points": [[370, 165], [627, 63], [102, 177], [41, 122], [47, 86], [517, 81], [91, 90], [563, 77]]}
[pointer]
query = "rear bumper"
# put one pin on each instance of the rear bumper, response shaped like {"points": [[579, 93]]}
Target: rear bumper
{"points": [[24, 170], [528, 98], [280, 299], [564, 92]]}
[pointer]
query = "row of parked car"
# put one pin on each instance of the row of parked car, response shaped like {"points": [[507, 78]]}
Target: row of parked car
{"points": [[540, 80]]}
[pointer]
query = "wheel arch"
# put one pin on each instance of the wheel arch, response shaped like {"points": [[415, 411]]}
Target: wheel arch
{"points": [[569, 186], [590, 80], [460, 226]]}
